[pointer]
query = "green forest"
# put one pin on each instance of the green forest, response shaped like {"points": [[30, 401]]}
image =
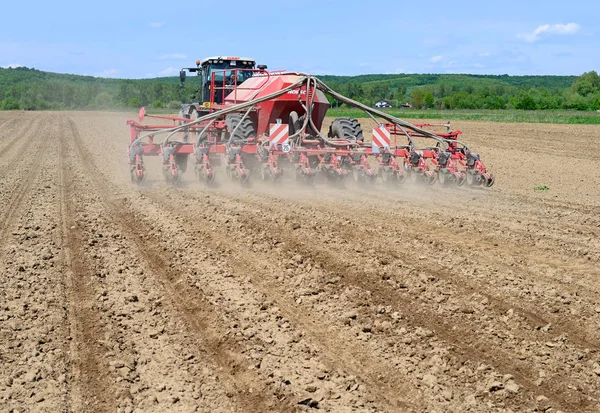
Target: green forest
{"points": [[30, 89]]}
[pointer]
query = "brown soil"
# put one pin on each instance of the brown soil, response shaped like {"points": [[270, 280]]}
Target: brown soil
{"points": [[117, 298]]}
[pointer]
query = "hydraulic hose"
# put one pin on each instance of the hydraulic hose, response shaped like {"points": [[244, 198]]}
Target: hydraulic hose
{"points": [[310, 82], [219, 113]]}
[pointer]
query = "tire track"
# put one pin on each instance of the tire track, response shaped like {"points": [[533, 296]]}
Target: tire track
{"points": [[338, 354], [34, 312], [198, 314], [383, 378], [349, 253], [22, 188], [94, 391], [462, 336], [430, 230], [5, 128], [24, 149]]}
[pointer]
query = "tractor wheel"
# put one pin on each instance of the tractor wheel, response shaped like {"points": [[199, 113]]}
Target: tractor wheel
{"points": [[244, 131], [264, 173], [473, 179], [346, 128], [432, 178], [444, 178], [461, 181], [415, 177], [182, 160], [188, 112], [210, 179], [384, 176], [294, 122]]}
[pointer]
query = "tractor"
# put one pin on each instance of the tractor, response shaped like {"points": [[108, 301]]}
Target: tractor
{"points": [[253, 121]]}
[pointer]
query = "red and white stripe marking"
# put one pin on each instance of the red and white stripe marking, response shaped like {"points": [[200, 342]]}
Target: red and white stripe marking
{"points": [[381, 138], [279, 134]]}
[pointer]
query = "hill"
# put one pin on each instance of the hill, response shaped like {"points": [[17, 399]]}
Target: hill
{"points": [[31, 89]]}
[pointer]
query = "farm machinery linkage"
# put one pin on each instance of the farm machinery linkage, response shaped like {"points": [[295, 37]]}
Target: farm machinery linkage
{"points": [[260, 122]]}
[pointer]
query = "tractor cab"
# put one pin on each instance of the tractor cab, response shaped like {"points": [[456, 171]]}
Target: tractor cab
{"points": [[218, 75]]}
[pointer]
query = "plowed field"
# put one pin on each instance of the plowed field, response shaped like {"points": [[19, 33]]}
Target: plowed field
{"points": [[117, 298]]}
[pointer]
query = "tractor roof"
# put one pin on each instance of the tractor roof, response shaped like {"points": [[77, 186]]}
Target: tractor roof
{"points": [[227, 58]]}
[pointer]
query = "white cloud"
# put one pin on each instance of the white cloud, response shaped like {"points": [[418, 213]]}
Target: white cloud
{"points": [[11, 66], [168, 71], [156, 25], [173, 56], [547, 29], [436, 59]]}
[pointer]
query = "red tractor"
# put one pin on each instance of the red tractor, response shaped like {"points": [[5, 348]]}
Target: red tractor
{"points": [[249, 119]]}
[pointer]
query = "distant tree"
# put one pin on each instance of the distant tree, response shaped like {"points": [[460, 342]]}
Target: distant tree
{"points": [[29, 100], [10, 103], [174, 104], [587, 83], [428, 100], [494, 102], [417, 98], [524, 101], [595, 101], [157, 104], [441, 91], [103, 100], [576, 101], [134, 103]]}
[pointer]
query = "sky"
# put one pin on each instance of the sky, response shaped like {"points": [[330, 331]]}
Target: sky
{"points": [[143, 39]]}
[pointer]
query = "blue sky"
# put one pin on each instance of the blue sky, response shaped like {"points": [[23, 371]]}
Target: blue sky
{"points": [[151, 38]]}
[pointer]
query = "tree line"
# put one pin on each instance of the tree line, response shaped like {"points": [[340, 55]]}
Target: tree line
{"points": [[31, 89], [472, 92]]}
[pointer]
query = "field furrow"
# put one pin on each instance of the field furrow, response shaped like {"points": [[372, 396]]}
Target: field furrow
{"points": [[286, 297]]}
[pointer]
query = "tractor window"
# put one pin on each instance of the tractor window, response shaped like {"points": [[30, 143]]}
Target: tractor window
{"points": [[218, 67]]}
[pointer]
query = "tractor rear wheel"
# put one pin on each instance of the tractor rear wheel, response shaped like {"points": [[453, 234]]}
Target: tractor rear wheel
{"points": [[244, 131], [346, 128]]}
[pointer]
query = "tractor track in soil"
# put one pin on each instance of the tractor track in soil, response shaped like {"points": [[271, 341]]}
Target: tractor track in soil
{"points": [[6, 129], [429, 233], [92, 390], [21, 188], [23, 150], [32, 333], [418, 316], [200, 318], [154, 298], [472, 246], [344, 357]]}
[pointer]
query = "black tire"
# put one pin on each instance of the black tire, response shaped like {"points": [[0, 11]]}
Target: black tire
{"points": [[414, 177], [473, 179], [295, 122], [346, 128], [182, 161], [183, 113], [244, 131], [444, 178]]}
